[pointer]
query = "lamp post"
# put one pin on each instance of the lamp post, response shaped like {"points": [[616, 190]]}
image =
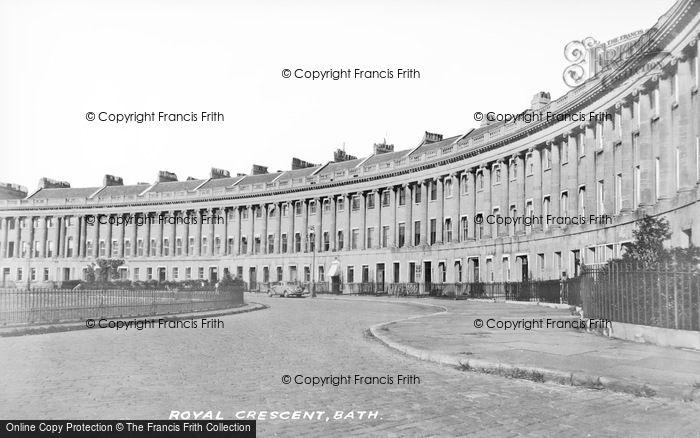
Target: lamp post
{"points": [[313, 260]]}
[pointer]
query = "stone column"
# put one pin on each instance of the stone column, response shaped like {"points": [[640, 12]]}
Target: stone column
{"points": [[263, 232], [31, 236], [348, 232], [198, 232], [304, 225], [393, 223], [333, 227], [440, 214], [210, 239], [78, 237], [555, 181], [536, 187], [319, 225], [134, 235], [238, 228], [120, 237], [18, 237], [667, 144], [488, 205], [96, 237], [173, 233], [3, 236], [687, 119], [425, 193], [43, 236], [380, 231], [363, 221], [108, 238], [292, 214], [159, 233], [471, 203], [147, 239], [408, 229], [278, 228], [456, 206]]}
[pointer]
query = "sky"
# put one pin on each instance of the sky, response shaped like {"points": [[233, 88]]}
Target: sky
{"points": [[61, 60]]}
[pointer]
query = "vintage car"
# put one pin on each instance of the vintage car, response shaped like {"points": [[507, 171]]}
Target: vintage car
{"points": [[286, 289]]}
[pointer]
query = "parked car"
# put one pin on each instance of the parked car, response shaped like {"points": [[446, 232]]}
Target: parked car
{"points": [[286, 289]]}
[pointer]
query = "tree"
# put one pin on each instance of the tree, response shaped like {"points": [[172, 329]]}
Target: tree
{"points": [[90, 273], [108, 269], [648, 245]]}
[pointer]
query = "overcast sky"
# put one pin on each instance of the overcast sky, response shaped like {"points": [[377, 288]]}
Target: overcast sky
{"points": [[60, 60]]}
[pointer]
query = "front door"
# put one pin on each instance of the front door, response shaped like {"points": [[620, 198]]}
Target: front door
{"points": [[427, 274], [253, 279], [380, 277], [161, 275], [525, 274]]}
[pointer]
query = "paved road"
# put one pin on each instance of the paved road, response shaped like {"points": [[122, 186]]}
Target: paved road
{"points": [[102, 373]]}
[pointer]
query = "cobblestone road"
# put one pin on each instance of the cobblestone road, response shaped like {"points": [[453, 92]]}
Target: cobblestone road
{"points": [[105, 374]]}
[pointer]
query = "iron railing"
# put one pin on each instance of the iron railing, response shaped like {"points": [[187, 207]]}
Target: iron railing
{"points": [[44, 306], [665, 296]]}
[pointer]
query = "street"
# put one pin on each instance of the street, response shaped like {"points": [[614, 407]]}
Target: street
{"points": [[146, 374]]}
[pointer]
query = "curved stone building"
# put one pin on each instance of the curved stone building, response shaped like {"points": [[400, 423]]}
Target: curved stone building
{"points": [[623, 142]]}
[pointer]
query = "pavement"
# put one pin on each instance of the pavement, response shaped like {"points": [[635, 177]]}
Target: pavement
{"points": [[566, 356], [38, 329], [241, 368]]}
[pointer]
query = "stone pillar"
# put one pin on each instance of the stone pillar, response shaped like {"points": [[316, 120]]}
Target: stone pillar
{"points": [[409, 215], [456, 206], [488, 205], [18, 237], [42, 236], [425, 194], [318, 225], [394, 231], [667, 143], [646, 156], [95, 237], [536, 187], [134, 236], [121, 234], [687, 123], [263, 232], [333, 227], [348, 232], [30, 223], [147, 239], [4, 223], [278, 228], [440, 214], [198, 233], [363, 221], [238, 228], [292, 218], [210, 239], [378, 204], [173, 233], [108, 238], [304, 225]]}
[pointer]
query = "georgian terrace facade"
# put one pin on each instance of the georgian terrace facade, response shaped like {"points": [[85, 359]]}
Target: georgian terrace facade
{"points": [[422, 215]]}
